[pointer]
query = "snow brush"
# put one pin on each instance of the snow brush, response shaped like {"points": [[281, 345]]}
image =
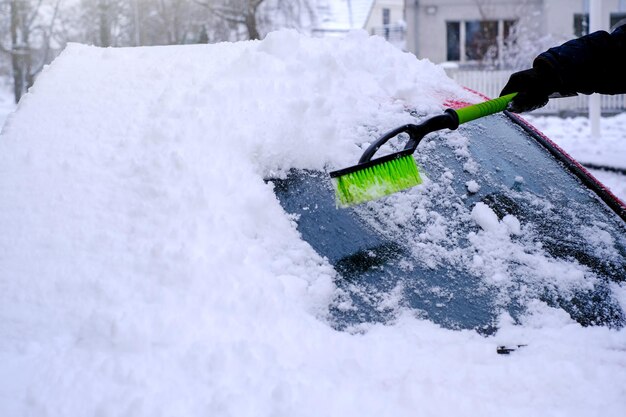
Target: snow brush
{"points": [[373, 179]]}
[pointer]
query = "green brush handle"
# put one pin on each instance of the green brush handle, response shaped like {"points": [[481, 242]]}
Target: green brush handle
{"points": [[477, 111]]}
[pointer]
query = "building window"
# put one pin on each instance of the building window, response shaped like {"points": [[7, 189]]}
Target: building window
{"points": [[386, 21], [386, 16], [474, 40], [581, 24], [480, 36], [453, 33], [508, 28], [617, 20]]}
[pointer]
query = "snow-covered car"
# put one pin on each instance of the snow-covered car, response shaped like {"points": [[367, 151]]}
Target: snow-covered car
{"points": [[170, 245]]}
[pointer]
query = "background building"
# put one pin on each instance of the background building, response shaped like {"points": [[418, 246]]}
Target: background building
{"points": [[481, 42], [485, 32]]}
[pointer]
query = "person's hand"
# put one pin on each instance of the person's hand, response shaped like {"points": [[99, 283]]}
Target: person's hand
{"points": [[532, 88]]}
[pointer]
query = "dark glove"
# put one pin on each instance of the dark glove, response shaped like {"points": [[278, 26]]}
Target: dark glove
{"points": [[533, 90]]}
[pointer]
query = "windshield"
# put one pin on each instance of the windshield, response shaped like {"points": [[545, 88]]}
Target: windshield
{"points": [[497, 224]]}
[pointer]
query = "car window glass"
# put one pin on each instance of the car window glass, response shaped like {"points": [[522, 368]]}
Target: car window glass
{"points": [[498, 223]]}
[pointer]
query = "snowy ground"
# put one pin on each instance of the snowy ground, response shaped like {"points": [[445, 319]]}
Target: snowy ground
{"points": [[146, 269], [574, 136]]}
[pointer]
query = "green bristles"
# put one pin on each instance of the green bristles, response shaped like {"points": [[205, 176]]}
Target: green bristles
{"points": [[376, 181]]}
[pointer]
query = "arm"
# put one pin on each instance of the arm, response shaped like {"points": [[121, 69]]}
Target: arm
{"points": [[595, 63]]}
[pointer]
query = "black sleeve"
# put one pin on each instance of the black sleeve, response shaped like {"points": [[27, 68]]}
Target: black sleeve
{"points": [[595, 63]]}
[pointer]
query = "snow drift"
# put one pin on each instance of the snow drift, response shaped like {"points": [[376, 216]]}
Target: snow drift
{"points": [[147, 269]]}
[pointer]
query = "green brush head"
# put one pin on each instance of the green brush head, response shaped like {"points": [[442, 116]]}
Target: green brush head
{"points": [[375, 179]]}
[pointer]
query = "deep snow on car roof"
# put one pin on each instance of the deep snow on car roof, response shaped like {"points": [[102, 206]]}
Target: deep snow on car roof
{"points": [[499, 222]]}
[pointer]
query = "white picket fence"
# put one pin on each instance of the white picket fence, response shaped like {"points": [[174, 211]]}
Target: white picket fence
{"points": [[490, 83]]}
